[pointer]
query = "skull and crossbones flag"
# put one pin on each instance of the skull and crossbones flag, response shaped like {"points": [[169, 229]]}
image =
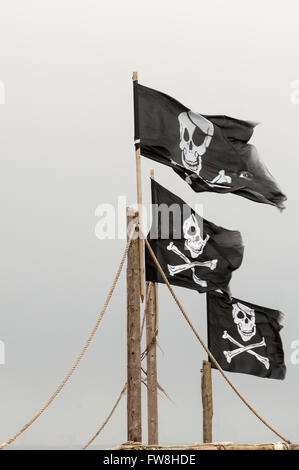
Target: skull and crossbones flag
{"points": [[211, 153], [193, 252], [244, 337]]}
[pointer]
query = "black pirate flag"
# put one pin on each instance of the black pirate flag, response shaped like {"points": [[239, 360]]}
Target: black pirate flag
{"points": [[245, 337], [210, 152], [193, 252]]}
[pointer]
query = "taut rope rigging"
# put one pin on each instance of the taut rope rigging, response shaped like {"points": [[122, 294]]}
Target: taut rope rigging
{"points": [[92, 334], [207, 349]]}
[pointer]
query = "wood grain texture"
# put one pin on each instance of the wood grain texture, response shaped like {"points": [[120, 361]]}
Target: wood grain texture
{"points": [[134, 425], [207, 400], [152, 385]]}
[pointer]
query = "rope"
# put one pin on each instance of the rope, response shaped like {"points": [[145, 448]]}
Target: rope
{"points": [[159, 387], [107, 419], [213, 359], [149, 288], [126, 384], [83, 351], [149, 345]]}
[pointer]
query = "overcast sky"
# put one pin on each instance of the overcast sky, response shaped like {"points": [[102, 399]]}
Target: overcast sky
{"points": [[66, 145]]}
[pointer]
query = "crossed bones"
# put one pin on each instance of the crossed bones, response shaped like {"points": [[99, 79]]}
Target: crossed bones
{"points": [[230, 354], [189, 265]]}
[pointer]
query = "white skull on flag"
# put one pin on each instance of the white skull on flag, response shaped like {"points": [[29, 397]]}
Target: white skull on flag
{"points": [[244, 318], [196, 133]]}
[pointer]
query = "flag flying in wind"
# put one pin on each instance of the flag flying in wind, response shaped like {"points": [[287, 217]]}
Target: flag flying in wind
{"points": [[245, 337], [210, 152], [193, 252]]}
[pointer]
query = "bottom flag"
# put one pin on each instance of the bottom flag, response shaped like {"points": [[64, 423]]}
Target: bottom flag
{"points": [[244, 337]]}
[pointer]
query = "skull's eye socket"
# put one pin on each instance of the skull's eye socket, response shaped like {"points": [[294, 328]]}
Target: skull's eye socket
{"points": [[191, 230], [197, 137], [240, 315], [246, 175], [186, 134]]}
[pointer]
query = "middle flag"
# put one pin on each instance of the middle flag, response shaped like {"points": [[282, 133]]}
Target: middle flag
{"points": [[193, 252]]}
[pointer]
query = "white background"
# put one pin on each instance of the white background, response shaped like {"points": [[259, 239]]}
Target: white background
{"points": [[66, 145]]}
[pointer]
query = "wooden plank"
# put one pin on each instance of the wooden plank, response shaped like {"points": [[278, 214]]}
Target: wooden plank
{"points": [[210, 446]]}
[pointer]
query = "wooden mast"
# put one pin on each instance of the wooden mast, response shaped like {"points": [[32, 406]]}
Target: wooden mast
{"points": [[151, 342], [134, 424], [207, 401], [139, 191]]}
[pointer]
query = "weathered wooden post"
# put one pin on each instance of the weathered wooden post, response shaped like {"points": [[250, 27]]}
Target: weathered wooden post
{"points": [[207, 400], [138, 181], [151, 342], [151, 316], [134, 425]]}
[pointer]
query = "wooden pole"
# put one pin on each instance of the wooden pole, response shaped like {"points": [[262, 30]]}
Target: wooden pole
{"points": [[133, 338], [207, 401], [151, 358], [151, 316], [139, 191]]}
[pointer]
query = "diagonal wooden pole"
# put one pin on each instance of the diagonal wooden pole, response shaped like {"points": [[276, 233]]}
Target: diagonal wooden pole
{"points": [[139, 191]]}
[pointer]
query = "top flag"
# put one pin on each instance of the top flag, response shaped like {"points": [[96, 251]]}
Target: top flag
{"points": [[210, 152]]}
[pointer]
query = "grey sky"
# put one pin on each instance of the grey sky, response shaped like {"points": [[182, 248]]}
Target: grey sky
{"points": [[66, 145]]}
